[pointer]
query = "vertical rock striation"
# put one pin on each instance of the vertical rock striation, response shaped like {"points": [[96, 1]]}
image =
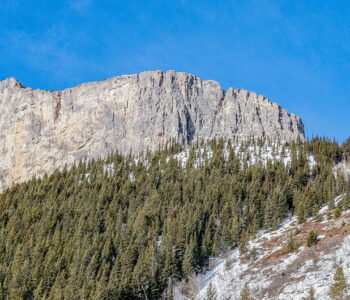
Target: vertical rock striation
{"points": [[41, 131]]}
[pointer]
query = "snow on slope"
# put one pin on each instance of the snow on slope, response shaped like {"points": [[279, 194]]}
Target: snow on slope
{"points": [[270, 272], [269, 151], [344, 168], [244, 151], [275, 274]]}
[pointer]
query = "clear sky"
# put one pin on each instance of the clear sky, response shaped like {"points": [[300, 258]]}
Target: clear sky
{"points": [[296, 52]]}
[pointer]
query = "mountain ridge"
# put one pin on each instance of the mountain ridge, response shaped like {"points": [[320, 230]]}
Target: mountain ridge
{"points": [[43, 130]]}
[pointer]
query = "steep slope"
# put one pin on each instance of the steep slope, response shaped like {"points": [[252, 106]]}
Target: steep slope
{"points": [[41, 131], [133, 227], [273, 273]]}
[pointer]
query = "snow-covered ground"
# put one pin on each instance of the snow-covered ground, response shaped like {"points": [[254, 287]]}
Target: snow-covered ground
{"points": [[271, 273], [246, 151], [253, 153], [275, 274], [344, 168]]}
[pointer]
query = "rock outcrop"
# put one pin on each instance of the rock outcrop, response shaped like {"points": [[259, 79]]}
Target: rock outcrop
{"points": [[41, 131]]}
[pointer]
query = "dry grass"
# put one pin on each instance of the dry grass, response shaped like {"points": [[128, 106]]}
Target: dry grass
{"points": [[332, 233]]}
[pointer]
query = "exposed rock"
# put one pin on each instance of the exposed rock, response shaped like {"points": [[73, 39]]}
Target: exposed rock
{"points": [[41, 131]]}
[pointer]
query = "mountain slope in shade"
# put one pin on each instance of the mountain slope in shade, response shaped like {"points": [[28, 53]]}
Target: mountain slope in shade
{"points": [[41, 131]]}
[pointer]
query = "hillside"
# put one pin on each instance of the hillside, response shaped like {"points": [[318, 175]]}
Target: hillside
{"points": [[274, 270], [41, 131], [140, 226]]}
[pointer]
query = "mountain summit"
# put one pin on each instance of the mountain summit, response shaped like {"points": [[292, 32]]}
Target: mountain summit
{"points": [[41, 131]]}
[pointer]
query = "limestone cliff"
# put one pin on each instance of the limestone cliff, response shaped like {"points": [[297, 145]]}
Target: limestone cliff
{"points": [[43, 130]]}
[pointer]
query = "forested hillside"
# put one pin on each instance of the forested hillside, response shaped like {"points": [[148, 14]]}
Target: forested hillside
{"points": [[295, 261], [132, 227]]}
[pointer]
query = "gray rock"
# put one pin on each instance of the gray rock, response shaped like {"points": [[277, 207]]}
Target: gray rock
{"points": [[41, 131]]}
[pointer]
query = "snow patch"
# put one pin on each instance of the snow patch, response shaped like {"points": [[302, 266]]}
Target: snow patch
{"points": [[229, 275]]}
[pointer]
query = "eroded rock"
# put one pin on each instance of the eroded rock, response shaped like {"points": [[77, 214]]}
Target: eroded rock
{"points": [[41, 131]]}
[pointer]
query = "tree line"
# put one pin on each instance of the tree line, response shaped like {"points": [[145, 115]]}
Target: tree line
{"points": [[128, 227]]}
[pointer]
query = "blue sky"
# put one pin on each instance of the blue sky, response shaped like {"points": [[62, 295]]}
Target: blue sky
{"points": [[297, 53]]}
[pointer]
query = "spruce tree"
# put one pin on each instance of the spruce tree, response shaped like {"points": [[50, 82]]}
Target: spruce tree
{"points": [[339, 286], [188, 261], [292, 245], [245, 294], [82, 230], [311, 294], [312, 239], [211, 293]]}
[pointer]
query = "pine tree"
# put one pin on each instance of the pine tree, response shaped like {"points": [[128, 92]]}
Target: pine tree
{"points": [[105, 227], [292, 245], [337, 212], [311, 294], [245, 294], [311, 239], [270, 214], [187, 263], [243, 244], [211, 293], [339, 287], [347, 200]]}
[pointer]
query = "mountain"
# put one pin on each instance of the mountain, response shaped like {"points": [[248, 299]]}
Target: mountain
{"points": [[41, 131]]}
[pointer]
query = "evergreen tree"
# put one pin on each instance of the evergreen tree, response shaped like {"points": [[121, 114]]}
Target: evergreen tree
{"points": [[312, 239], [311, 294], [211, 293], [243, 244], [339, 286], [129, 227], [346, 200], [188, 261], [245, 294], [292, 245]]}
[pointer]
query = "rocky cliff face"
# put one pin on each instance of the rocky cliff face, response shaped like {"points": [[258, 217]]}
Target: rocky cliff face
{"points": [[41, 131]]}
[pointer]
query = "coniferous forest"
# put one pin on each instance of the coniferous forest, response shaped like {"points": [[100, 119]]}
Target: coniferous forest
{"points": [[128, 227]]}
